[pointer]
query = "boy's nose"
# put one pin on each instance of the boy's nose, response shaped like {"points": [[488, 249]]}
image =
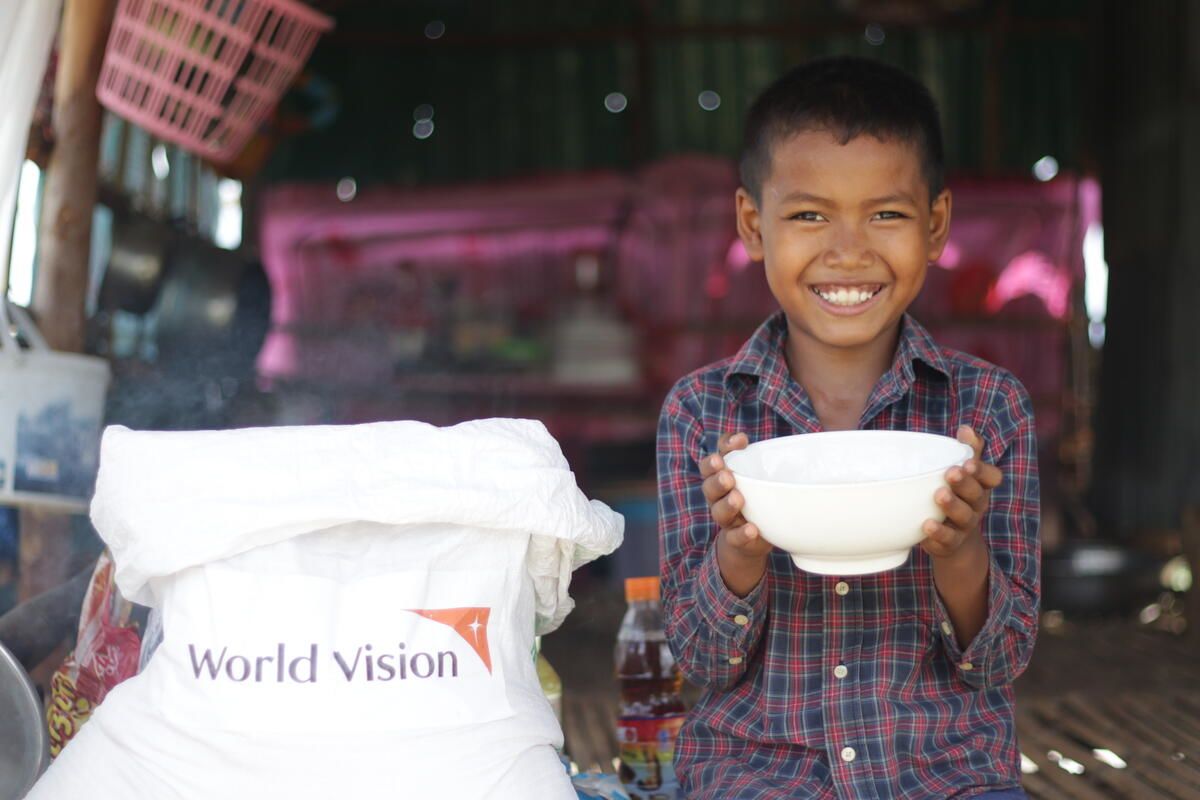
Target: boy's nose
{"points": [[848, 250]]}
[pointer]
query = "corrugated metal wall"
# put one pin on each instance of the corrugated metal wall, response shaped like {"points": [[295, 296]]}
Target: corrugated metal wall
{"points": [[1148, 456], [519, 86]]}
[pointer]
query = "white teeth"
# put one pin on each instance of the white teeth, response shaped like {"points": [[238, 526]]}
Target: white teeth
{"points": [[847, 297]]}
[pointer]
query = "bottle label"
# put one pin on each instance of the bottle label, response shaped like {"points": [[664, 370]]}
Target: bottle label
{"points": [[648, 756]]}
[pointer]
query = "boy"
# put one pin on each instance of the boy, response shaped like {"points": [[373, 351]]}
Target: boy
{"points": [[892, 685]]}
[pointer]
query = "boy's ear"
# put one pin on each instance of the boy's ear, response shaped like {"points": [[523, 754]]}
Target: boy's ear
{"points": [[748, 221], [939, 225]]}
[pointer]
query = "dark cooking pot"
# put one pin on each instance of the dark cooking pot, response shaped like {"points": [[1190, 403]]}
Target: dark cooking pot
{"points": [[136, 265], [1099, 578]]}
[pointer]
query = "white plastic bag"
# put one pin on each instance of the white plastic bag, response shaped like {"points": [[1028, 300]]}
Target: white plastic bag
{"points": [[346, 612]]}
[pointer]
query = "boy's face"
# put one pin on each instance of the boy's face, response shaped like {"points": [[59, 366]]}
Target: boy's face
{"points": [[846, 233]]}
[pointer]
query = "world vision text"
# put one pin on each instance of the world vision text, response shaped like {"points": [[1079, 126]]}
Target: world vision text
{"points": [[361, 664]]}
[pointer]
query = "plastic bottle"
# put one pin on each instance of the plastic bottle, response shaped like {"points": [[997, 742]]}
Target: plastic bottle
{"points": [[549, 679], [652, 709]]}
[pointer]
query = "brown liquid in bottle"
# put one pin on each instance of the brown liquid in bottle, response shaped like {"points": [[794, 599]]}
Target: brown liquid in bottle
{"points": [[652, 709], [650, 681]]}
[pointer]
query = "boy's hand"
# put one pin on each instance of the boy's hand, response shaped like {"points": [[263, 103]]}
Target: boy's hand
{"points": [[741, 550], [965, 502]]}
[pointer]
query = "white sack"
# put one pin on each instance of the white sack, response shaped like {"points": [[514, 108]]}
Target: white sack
{"points": [[167, 501], [347, 612]]}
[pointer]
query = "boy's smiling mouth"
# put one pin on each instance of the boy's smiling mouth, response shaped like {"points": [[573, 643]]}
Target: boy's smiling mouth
{"points": [[846, 296]]}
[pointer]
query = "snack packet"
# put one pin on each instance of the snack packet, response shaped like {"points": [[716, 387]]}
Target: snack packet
{"points": [[106, 653]]}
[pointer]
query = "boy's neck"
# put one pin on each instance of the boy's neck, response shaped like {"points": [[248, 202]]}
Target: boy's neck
{"points": [[839, 380]]}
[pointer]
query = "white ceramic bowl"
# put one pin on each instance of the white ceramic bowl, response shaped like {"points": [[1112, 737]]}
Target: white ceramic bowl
{"points": [[845, 502]]}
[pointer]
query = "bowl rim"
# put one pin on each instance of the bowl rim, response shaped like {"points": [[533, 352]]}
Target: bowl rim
{"points": [[967, 450]]}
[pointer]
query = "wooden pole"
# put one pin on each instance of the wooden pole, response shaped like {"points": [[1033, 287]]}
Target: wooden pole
{"points": [[60, 290], [70, 181]]}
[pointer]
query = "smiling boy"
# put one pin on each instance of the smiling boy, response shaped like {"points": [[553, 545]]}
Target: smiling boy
{"points": [[891, 685]]}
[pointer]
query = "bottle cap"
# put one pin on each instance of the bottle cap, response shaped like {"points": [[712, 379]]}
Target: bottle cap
{"points": [[641, 589]]}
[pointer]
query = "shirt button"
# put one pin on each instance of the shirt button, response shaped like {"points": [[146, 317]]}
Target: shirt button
{"points": [[967, 666], [735, 660], [848, 754], [742, 619], [947, 629], [842, 588], [840, 671]]}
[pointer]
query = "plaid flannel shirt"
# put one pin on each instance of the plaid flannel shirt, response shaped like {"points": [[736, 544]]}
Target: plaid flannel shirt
{"points": [[847, 687]]}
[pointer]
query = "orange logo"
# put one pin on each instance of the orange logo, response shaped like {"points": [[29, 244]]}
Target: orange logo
{"points": [[469, 623]]}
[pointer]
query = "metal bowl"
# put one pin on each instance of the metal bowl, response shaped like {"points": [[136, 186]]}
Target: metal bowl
{"points": [[23, 741]]}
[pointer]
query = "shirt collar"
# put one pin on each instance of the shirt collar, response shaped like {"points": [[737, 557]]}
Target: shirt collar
{"points": [[762, 356], [917, 345]]}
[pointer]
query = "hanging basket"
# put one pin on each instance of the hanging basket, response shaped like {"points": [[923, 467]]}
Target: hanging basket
{"points": [[205, 74]]}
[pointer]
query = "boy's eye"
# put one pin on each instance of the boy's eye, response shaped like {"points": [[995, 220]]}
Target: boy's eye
{"points": [[886, 215], [807, 216]]}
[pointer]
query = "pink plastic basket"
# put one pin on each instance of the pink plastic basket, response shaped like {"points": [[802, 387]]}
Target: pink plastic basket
{"points": [[205, 74]]}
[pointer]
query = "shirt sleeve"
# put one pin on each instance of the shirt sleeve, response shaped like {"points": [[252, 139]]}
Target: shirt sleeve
{"points": [[1001, 650], [711, 631]]}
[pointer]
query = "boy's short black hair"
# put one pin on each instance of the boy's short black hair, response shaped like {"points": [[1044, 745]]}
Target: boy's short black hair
{"points": [[849, 97]]}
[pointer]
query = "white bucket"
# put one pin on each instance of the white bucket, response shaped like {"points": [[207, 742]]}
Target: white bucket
{"points": [[51, 412]]}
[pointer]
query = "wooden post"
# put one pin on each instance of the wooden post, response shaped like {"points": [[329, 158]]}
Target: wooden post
{"points": [[44, 551], [60, 291], [70, 182]]}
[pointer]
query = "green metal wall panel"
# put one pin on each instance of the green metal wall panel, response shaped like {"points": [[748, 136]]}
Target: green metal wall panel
{"points": [[521, 89]]}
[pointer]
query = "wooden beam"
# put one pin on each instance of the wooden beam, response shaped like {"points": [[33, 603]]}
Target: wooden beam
{"points": [[43, 552], [70, 182]]}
